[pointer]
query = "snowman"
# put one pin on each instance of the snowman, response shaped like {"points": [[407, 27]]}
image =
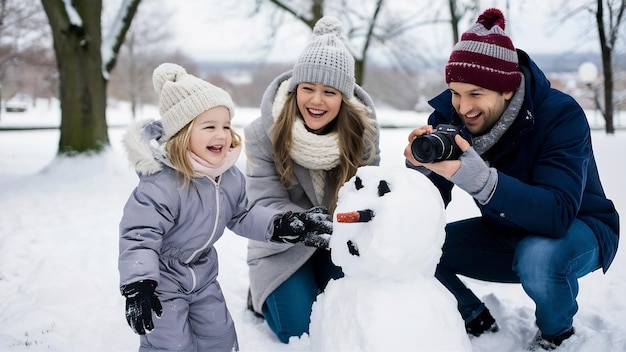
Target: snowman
{"points": [[387, 237]]}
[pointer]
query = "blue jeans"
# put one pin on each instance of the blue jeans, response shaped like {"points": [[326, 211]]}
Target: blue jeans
{"points": [[287, 310], [547, 268]]}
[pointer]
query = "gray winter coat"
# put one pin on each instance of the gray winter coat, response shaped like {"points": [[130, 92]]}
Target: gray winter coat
{"points": [[168, 231], [271, 264]]}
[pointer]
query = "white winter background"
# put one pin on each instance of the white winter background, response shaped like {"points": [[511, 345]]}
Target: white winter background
{"points": [[59, 244]]}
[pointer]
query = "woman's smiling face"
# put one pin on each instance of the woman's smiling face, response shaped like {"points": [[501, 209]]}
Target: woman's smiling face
{"points": [[318, 104]]}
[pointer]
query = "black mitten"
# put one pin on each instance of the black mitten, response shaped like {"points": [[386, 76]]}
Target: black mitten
{"points": [[140, 302], [317, 240], [294, 227]]}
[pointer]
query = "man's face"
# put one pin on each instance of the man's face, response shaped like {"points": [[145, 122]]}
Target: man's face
{"points": [[479, 108]]}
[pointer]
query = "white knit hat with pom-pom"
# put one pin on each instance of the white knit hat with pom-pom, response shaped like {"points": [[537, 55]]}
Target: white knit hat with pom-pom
{"points": [[326, 59], [183, 96]]}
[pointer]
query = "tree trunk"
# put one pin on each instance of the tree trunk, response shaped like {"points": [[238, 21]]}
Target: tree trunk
{"points": [[454, 21], [83, 86], [607, 69]]}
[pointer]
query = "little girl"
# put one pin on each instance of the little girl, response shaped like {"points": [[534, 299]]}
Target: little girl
{"points": [[189, 190]]}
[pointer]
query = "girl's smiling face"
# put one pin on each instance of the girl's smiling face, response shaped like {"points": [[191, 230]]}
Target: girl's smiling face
{"points": [[318, 104], [210, 137]]}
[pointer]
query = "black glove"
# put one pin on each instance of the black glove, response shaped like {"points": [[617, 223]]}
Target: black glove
{"points": [[297, 227], [313, 239], [140, 302]]}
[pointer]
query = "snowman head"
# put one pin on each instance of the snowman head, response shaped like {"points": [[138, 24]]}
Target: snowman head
{"points": [[399, 227]]}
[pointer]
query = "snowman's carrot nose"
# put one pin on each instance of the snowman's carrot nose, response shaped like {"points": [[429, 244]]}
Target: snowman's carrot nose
{"points": [[356, 216]]}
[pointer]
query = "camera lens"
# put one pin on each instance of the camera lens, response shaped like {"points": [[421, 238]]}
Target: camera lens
{"points": [[427, 148]]}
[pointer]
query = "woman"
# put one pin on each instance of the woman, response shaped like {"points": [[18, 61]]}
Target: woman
{"points": [[316, 128]]}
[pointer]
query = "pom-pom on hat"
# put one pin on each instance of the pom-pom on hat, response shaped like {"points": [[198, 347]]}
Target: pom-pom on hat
{"points": [[326, 60], [485, 56], [183, 96]]}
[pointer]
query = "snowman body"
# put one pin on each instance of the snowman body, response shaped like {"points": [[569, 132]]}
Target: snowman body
{"points": [[389, 298]]}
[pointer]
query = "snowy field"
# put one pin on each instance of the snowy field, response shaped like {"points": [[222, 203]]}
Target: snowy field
{"points": [[58, 248]]}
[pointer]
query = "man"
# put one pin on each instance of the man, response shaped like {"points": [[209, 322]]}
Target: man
{"points": [[527, 161]]}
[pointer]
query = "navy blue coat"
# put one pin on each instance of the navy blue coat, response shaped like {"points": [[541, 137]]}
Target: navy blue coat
{"points": [[547, 174]]}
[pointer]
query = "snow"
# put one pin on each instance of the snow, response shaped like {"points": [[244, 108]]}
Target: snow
{"points": [[59, 245], [387, 244], [72, 14], [388, 260]]}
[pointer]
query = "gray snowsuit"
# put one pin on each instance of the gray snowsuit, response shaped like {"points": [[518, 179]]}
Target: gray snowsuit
{"points": [[167, 233]]}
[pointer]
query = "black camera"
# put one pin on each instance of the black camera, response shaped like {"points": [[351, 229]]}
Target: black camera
{"points": [[437, 146]]}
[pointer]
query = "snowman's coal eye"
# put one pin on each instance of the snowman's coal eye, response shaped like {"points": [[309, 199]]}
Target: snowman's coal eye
{"points": [[383, 188], [358, 183]]}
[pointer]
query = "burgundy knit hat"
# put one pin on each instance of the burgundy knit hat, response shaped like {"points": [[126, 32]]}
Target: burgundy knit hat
{"points": [[485, 56]]}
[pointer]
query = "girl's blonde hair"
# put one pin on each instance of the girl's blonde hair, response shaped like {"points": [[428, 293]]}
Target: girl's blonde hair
{"points": [[356, 133], [177, 149]]}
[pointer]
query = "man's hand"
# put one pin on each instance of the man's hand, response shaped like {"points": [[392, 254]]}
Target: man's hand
{"points": [[445, 168]]}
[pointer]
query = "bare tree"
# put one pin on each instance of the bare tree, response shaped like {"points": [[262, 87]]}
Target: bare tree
{"points": [[608, 15], [84, 63], [141, 52], [608, 28], [361, 26], [373, 27], [454, 20], [457, 12], [22, 33]]}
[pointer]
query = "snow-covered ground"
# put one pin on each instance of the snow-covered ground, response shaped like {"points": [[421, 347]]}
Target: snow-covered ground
{"points": [[59, 236]]}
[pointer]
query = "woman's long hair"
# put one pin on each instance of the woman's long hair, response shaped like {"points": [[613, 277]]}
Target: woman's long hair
{"points": [[356, 134], [177, 148]]}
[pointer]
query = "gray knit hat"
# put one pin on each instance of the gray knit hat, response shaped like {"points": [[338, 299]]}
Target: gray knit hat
{"points": [[183, 96], [326, 59]]}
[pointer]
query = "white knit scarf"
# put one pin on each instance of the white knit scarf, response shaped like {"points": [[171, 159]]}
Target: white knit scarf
{"points": [[318, 153], [313, 151], [203, 168]]}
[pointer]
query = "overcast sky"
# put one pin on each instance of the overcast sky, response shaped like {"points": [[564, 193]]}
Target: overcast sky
{"points": [[223, 30]]}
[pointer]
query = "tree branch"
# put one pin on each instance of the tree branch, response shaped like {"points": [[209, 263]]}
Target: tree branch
{"points": [[115, 38]]}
